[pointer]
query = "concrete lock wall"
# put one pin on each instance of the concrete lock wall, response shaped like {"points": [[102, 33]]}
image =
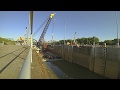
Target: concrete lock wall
{"points": [[99, 62], [66, 52], [81, 56], [78, 55], [92, 59], [84, 55], [70, 54], [112, 63], [74, 54], [107, 62], [63, 55], [60, 51]]}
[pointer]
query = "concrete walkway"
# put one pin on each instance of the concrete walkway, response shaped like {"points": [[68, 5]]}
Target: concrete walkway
{"points": [[11, 60]]}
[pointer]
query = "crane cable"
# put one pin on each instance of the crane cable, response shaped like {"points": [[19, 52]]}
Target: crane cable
{"points": [[40, 26]]}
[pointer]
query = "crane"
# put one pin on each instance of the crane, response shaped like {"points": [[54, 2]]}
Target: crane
{"points": [[74, 42], [74, 37], [41, 39]]}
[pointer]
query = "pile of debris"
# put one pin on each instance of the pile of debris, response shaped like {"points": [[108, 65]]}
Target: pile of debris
{"points": [[50, 55]]}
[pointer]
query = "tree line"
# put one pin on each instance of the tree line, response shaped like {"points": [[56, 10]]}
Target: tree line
{"points": [[87, 41], [7, 41]]}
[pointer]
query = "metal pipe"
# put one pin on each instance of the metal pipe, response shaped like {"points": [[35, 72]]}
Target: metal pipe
{"points": [[117, 31], [31, 29], [31, 21], [64, 33], [26, 68], [25, 72], [31, 47]]}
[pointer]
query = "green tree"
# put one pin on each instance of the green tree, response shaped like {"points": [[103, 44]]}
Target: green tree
{"points": [[61, 42], [108, 42], [89, 40], [7, 41]]}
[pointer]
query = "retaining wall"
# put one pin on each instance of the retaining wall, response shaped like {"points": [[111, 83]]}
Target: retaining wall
{"points": [[101, 60]]}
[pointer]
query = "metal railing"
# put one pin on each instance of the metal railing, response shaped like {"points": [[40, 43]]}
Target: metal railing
{"points": [[25, 72]]}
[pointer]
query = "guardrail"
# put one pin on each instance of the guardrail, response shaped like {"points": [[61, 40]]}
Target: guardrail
{"points": [[25, 72]]}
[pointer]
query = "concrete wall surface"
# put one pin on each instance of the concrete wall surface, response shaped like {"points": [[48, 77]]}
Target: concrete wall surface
{"points": [[101, 60], [70, 54], [112, 69]]}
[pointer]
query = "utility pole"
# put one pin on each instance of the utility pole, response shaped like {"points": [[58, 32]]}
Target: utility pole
{"points": [[31, 29], [31, 25], [75, 38], [64, 33], [117, 31], [25, 35]]}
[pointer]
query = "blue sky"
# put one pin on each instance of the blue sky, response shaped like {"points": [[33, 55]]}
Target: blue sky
{"points": [[101, 24]]}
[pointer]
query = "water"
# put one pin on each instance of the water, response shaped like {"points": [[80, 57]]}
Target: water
{"points": [[67, 70], [57, 70]]}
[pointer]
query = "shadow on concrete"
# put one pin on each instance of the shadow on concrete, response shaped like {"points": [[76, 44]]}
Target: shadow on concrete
{"points": [[10, 52], [12, 59], [19, 57]]}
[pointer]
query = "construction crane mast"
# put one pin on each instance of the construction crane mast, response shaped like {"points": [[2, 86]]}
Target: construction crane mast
{"points": [[41, 39], [74, 42], [25, 33], [75, 37]]}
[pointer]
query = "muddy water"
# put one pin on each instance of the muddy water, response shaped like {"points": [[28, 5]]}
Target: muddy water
{"points": [[57, 71], [66, 70]]}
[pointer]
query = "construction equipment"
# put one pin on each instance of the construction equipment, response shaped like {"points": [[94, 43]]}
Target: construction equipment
{"points": [[74, 42], [41, 43], [23, 39]]}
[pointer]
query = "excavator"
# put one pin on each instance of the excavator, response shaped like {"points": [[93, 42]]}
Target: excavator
{"points": [[41, 42]]}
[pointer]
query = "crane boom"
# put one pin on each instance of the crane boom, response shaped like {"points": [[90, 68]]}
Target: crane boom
{"points": [[41, 39]]}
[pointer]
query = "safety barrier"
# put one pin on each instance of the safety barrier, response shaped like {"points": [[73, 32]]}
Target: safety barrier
{"points": [[25, 72]]}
